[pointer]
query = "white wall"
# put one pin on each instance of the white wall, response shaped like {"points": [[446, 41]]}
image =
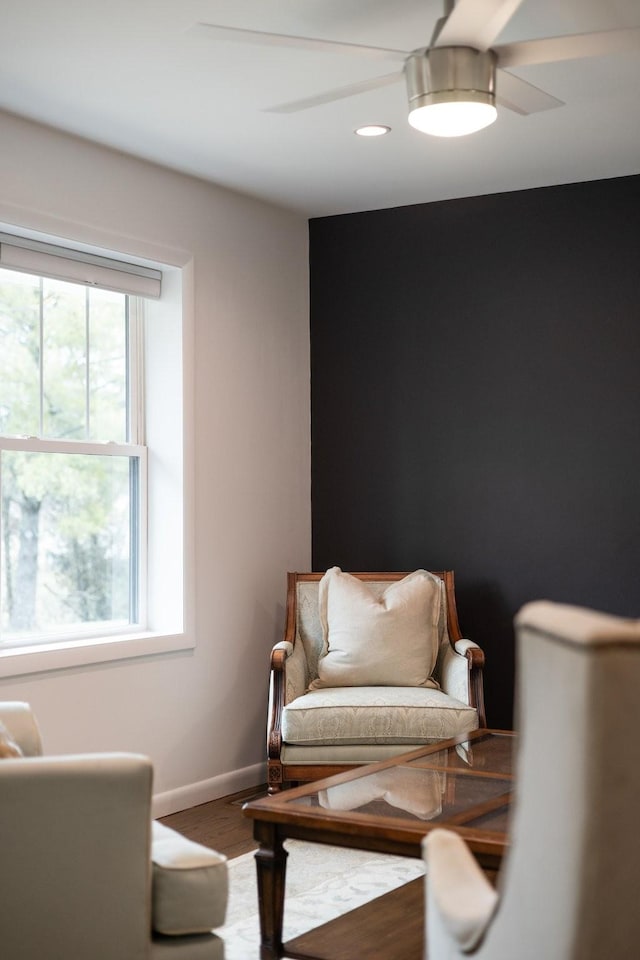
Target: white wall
{"points": [[200, 714]]}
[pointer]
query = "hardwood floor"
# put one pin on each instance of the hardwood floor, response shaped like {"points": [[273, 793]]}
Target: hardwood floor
{"points": [[219, 824], [388, 928]]}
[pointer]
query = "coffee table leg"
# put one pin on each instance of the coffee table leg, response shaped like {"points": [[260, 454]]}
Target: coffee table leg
{"points": [[271, 863]]}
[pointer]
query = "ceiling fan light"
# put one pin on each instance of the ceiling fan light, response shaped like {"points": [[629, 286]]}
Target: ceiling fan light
{"points": [[451, 90], [453, 118]]}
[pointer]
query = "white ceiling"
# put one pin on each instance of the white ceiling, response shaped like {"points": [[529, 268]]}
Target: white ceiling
{"points": [[135, 75]]}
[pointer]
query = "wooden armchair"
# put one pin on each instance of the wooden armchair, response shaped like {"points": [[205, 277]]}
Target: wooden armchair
{"points": [[319, 732]]}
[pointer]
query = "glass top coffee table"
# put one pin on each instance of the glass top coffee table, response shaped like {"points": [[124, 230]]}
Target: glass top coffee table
{"points": [[464, 784]]}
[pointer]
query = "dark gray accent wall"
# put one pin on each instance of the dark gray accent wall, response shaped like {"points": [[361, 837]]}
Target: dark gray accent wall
{"points": [[476, 401]]}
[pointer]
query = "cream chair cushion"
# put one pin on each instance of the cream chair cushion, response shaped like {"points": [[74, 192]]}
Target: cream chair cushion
{"points": [[189, 884], [368, 640], [343, 715]]}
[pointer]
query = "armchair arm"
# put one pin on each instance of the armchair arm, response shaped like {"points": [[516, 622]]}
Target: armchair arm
{"points": [[190, 884], [467, 647], [460, 671], [460, 899], [475, 661], [284, 646], [277, 689], [288, 679], [20, 721]]}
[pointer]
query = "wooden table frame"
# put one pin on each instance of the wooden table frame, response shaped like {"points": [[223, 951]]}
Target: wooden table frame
{"points": [[278, 818]]}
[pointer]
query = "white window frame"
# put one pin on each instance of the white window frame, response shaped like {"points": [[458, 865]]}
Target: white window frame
{"points": [[82, 448], [169, 330]]}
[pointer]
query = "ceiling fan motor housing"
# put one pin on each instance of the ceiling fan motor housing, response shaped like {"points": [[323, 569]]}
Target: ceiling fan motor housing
{"points": [[445, 74]]}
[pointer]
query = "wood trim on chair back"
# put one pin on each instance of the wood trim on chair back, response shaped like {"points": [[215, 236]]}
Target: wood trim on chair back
{"points": [[293, 578]]}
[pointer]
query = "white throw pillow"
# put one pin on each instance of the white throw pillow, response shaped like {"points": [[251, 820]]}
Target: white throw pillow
{"points": [[390, 641]]}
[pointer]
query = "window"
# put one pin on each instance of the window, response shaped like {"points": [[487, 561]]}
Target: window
{"points": [[72, 468], [96, 457]]}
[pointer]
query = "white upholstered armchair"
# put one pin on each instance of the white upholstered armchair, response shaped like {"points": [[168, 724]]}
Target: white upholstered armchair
{"points": [[569, 885], [84, 874], [315, 731]]}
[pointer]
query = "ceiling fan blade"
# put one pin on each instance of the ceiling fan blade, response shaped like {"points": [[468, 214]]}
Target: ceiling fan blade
{"points": [[476, 23], [337, 94], [263, 39], [571, 47], [522, 97]]}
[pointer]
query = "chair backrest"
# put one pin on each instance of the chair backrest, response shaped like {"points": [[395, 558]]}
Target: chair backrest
{"points": [[303, 620], [571, 881], [75, 868]]}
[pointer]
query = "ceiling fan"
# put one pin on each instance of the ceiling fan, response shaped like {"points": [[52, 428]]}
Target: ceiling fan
{"points": [[454, 83]]}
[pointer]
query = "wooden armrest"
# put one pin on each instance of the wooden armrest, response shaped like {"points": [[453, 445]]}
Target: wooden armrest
{"points": [[277, 684], [475, 660], [280, 654]]}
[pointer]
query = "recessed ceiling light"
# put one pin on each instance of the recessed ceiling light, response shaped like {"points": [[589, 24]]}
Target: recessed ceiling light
{"points": [[372, 130]]}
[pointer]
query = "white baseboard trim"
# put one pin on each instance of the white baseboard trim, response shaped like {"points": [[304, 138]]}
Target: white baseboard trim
{"points": [[171, 801]]}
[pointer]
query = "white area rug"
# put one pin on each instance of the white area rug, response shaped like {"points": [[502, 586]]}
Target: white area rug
{"points": [[322, 883]]}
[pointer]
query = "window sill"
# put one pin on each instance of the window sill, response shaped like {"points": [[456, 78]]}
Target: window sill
{"points": [[63, 654]]}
